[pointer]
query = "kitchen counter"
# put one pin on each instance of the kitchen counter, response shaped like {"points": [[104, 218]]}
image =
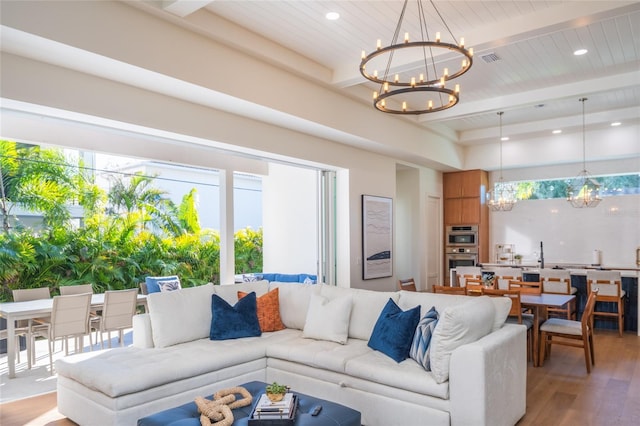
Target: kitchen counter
{"points": [[534, 267]]}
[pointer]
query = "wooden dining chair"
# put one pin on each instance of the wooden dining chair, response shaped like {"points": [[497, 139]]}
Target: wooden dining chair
{"points": [[462, 278], [571, 333], [474, 286], [558, 281], [525, 287], [449, 290], [408, 284], [517, 316], [117, 313], [609, 285]]}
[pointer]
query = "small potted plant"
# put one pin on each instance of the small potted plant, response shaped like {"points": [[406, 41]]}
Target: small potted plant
{"points": [[275, 391], [517, 258]]}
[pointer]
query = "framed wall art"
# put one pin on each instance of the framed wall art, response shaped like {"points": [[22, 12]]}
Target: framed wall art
{"points": [[377, 237]]}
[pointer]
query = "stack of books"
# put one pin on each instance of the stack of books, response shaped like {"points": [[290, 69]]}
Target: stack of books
{"points": [[265, 410]]}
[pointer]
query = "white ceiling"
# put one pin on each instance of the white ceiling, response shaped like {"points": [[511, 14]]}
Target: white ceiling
{"points": [[537, 81]]}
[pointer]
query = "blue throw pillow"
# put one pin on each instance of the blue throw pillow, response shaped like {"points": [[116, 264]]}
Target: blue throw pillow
{"points": [[393, 333], [422, 338], [233, 322], [154, 283]]}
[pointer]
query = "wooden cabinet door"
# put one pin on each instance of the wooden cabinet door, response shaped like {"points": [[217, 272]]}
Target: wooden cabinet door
{"points": [[452, 183], [471, 182], [470, 210], [452, 211]]}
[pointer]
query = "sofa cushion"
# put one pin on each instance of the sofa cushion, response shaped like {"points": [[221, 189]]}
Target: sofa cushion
{"points": [[294, 302], [394, 330], [420, 347], [458, 325], [319, 353], [268, 310], [233, 322], [180, 316], [367, 306], [230, 292], [407, 375], [328, 319], [441, 301], [154, 283]]}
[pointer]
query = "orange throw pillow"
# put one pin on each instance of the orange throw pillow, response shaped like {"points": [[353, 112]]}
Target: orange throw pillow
{"points": [[268, 310]]}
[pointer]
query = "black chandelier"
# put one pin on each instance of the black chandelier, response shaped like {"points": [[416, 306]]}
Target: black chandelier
{"points": [[419, 91]]}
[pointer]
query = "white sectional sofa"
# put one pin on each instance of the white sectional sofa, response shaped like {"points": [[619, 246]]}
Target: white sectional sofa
{"points": [[173, 360]]}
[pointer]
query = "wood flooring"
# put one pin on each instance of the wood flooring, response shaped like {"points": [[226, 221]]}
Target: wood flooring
{"points": [[559, 393]]}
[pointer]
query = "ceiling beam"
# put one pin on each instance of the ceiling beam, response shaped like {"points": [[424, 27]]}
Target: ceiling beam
{"points": [[533, 97], [183, 8]]}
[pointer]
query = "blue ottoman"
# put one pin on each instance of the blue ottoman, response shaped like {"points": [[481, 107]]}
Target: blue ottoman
{"points": [[331, 414]]}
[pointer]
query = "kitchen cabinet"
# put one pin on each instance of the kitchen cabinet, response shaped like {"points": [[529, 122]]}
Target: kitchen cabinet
{"points": [[465, 204]]}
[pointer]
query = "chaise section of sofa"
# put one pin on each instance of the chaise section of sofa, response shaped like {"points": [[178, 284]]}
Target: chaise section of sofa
{"points": [[173, 360]]}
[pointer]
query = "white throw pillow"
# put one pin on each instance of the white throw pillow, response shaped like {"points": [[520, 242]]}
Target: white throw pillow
{"points": [[328, 319], [294, 302], [503, 307], [458, 325], [180, 316], [367, 306]]}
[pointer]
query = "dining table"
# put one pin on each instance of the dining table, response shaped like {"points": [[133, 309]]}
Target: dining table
{"points": [[40, 308], [539, 304]]}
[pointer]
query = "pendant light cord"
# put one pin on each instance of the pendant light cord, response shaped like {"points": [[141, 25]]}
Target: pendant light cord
{"points": [[584, 149]]}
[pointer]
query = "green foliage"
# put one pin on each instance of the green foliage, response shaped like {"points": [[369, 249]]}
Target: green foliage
{"points": [[248, 250], [127, 234]]}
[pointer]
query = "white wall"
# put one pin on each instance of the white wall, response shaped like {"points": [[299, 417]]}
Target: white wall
{"points": [[290, 215], [570, 235]]}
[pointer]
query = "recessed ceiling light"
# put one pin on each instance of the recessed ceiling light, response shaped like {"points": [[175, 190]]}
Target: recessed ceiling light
{"points": [[580, 52], [332, 16], [616, 123], [505, 138], [557, 132]]}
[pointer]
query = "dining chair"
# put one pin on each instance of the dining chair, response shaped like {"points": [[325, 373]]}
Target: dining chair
{"points": [[517, 316], [609, 284], [462, 278], [474, 286], [408, 284], [503, 275], [558, 281], [117, 313], [25, 295], [449, 290], [525, 287], [94, 318], [75, 289], [69, 318], [566, 332]]}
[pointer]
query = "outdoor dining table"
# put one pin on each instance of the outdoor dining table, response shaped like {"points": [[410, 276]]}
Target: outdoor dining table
{"points": [[41, 308], [539, 304]]}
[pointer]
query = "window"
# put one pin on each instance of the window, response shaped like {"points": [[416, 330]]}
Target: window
{"points": [[610, 186]]}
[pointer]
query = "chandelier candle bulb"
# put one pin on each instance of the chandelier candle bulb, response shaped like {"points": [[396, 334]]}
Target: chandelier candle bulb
{"points": [[471, 51], [457, 89], [375, 95], [430, 85], [430, 105]]}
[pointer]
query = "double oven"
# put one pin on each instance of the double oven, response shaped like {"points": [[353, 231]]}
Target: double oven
{"points": [[461, 246]]}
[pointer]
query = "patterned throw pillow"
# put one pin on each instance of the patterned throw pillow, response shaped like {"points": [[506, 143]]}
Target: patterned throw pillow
{"points": [[268, 310], [169, 285], [421, 339]]}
